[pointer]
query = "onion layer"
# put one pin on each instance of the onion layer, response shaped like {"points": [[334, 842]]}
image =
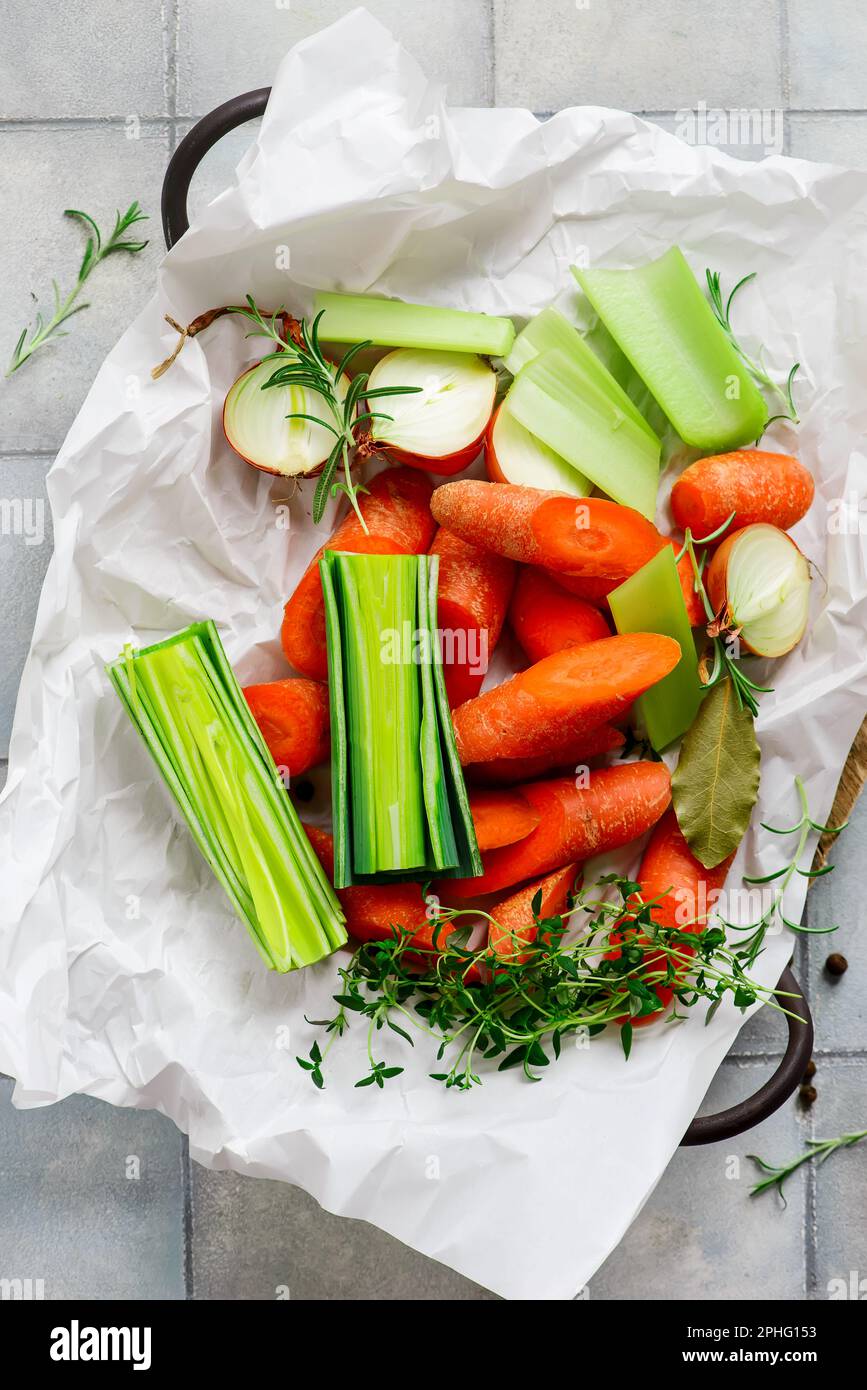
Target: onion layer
{"points": [[256, 427], [441, 426], [514, 455], [760, 582]]}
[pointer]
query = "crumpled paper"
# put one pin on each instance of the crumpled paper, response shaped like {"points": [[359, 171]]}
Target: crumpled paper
{"points": [[123, 972]]}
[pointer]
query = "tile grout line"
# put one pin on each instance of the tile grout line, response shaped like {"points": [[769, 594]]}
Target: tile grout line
{"points": [[785, 75], [492, 66], [187, 1219], [172, 21], [811, 1230]]}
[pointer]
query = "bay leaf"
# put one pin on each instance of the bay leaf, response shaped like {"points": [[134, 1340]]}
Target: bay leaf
{"points": [[716, 781]]}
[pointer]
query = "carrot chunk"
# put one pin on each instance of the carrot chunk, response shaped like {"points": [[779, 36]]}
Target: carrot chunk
{"points": [[545, 620], [501, 817], [473, 595], [754, 484], [292, 715]]}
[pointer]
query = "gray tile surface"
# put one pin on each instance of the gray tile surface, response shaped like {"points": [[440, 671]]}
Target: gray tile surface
{"points": [[98, 168], [73, 90], [72, 1210], [225, 48]]}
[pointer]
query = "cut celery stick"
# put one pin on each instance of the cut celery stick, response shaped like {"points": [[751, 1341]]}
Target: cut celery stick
{"points": [[651, 600], [183, 698], [660, 319], [525, 460], [556, 402], [359, 318], [551, 331]]}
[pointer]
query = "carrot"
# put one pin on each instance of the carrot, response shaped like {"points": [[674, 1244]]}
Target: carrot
{"points": [[545, 619], [586, 536], [561, 697], [473, 595], [375, 911], [752, 483], [293, 718], [508, 771], [397, 512], [514, 920], [617, 805], [501, 817], [596, 591], [686, 893]]}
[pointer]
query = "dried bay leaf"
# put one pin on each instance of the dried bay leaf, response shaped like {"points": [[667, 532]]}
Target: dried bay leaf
{"points": [[716, 781]]}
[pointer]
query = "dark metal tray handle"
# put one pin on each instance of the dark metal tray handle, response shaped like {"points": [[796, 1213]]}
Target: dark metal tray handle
{"points": [[707, 1129]]}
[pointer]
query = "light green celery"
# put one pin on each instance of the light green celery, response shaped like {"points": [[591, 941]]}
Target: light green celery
{"points": [[184, 700], [551, 331], [557, 403], [662, 322], [651, 600], [357, 318], [444, 848]]}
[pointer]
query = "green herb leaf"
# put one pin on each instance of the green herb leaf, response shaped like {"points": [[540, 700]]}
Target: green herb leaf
{"points": [[716, 781]]}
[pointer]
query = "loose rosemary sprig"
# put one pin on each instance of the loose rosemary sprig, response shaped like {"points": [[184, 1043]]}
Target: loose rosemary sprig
{"points": [[722, 310], [725, 666], [303, 364], [94, 252], [818, 1149], [521, 1004], [782, 877]]}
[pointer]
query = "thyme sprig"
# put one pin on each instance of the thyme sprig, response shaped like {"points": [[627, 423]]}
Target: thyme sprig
{"points": [[96, 250], [725, 665], [782, 877], [303, 364], [818, 1149], [520, 1005], [722, 307]]}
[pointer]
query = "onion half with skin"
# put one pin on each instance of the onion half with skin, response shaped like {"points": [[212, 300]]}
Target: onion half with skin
{"points": [[440, 427], [759, 582], [256, 427], [514, 455]]}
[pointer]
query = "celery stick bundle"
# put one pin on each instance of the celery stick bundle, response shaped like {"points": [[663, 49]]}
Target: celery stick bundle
{"points": [[183, 698], [399, 803]]}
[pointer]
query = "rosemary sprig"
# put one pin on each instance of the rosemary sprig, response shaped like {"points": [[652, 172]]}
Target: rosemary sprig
{"points": [[818, 1149], [303, 364], [725, 666], [520, 1007], [782, 877], [722, 310], [95, 251]]}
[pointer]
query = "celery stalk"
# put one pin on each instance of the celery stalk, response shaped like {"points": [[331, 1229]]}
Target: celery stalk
{"points": [[184, 700], [551, 331], [357, 318], [400, 808], [662, 322], [651, 600], [558, 403]]}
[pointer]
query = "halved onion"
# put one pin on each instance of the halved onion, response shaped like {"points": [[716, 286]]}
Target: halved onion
{"points": [[440, 427], [256, 427], [514, 455], [761, 581]]}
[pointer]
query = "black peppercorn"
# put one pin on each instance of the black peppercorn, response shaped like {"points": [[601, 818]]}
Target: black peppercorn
{"points": [[808, 1096], [304, 790], [809, 1070], [836, 964]]}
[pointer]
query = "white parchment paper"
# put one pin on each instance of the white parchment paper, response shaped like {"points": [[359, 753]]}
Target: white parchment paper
{"points": [[123, 973]]}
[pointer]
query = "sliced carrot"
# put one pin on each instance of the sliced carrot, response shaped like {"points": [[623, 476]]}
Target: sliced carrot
{"points": [[596, 591], [545, 619], [473, 595], [397, 512], [514, 922], [561, 697], [754, 484], [586, 536], [293, 717], [684, 894], [501, 817], [508, 771], [616, 805]]}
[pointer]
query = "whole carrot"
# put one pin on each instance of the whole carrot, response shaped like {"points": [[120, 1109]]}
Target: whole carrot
{"points": [[752, 483], [473, 596], [587, 536], [544, 619], [571, 754], [616, 805], [501, 817], [292, 715], [397, 511], [562, 697], [684, 894], [513, 919]]}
